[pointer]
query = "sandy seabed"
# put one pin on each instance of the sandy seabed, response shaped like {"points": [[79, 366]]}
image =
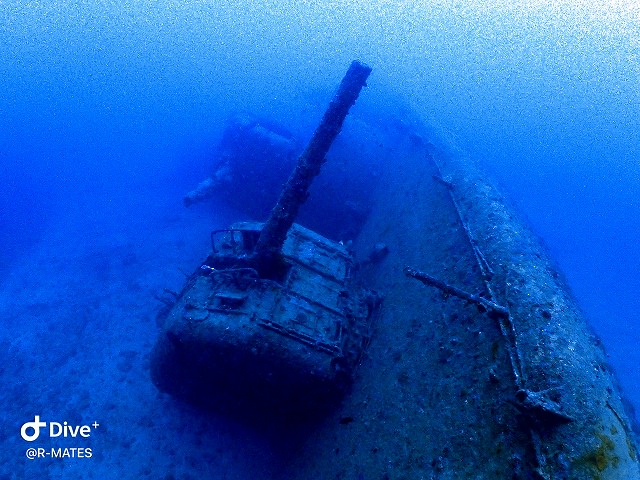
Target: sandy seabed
{"points": [[78, 314]]}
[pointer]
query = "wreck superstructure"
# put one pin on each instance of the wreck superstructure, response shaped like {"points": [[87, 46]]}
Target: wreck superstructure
{"points": [[284, 345], [274, 321], [479, 365]]}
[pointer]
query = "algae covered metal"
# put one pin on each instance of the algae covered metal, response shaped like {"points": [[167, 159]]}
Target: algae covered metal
{"points": [[287, 344], [483, 368], [274, 320]]}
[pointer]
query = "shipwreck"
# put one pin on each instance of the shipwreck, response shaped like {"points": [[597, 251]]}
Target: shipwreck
{"points": [[452, 349]]}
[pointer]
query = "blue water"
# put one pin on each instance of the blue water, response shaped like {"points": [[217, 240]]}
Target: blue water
{"points": [[109, 112]]}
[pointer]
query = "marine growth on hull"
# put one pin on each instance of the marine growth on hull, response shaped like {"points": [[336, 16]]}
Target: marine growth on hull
{"points": [[425, 330]]}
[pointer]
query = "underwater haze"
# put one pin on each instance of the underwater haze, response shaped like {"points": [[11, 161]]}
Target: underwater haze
{"points": [[110, 112]]}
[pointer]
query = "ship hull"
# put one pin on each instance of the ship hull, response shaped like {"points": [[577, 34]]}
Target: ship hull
{"points": [[452, 388]]}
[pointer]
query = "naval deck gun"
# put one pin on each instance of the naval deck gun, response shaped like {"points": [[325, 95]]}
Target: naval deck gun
{"points": [[274, 319]]}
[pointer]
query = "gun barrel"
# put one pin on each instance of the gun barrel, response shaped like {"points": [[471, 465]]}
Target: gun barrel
{"points": [[296, 190]]}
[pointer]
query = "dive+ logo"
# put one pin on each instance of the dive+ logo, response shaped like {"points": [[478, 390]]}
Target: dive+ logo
{"points": [[30, 431]]}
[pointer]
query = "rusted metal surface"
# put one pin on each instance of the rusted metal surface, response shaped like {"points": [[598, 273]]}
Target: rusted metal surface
{"points": [[234, 337]]}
